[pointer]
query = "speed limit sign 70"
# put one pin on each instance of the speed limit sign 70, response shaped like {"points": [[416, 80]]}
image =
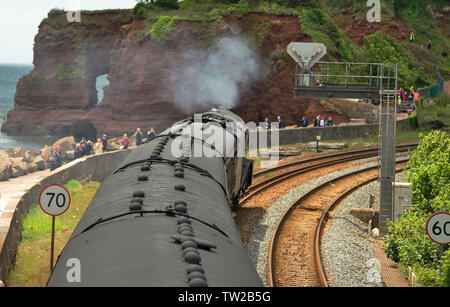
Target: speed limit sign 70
{"points": [[438, 227], [54, 200]]}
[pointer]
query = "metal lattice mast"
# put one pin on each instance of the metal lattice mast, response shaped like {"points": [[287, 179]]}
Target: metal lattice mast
{"points": [[372, 81], [388, 119]]}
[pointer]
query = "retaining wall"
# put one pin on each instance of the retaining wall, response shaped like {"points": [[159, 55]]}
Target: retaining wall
{"points": [[303, 135], [95, 168]]}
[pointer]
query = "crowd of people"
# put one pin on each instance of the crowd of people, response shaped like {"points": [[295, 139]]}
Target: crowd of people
{"points": [[55, 158], [87, 147], [411, 97], [318, 122]]}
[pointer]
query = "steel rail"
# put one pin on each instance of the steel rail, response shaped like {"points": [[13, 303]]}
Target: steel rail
{"points": [[345, 157], [364, 150], [318, 262]]}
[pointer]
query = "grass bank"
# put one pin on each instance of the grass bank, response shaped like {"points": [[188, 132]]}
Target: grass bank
{"points": [[33, 257]]}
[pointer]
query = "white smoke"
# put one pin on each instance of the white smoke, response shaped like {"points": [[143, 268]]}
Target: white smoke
{"points": [[217, 78]]}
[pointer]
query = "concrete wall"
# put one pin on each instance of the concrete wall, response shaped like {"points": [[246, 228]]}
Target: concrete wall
{"points": [[95, 168], [303, 135]]}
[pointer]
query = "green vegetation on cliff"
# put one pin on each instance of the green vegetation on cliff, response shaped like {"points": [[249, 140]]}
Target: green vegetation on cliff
{"points": [[325, 21], [163, 26]]}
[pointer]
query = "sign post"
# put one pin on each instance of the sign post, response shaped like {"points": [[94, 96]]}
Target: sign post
{"points": [[54, 200], [438, 229]]}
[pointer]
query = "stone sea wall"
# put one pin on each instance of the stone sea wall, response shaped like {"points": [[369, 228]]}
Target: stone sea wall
{"points": [[96, 168]]}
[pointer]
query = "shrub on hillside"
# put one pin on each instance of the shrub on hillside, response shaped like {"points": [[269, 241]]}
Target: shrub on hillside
{"points": [[167, 4], [163, 26], [383, 48], [435, 115], [140, 10], [429, 174], [297, 3], [419, 13]]}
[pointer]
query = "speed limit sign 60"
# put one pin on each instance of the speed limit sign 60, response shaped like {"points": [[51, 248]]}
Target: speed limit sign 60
{"points": [[438, 227], [54, 200]]}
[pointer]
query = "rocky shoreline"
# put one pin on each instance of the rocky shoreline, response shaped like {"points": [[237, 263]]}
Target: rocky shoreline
{"points": [[15, 162]]}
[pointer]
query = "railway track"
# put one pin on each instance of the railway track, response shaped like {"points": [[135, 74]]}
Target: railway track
{"points": [[294, 257], [286, 171]]}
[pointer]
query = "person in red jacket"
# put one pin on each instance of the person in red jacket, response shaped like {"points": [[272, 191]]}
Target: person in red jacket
{"points": [[416, 97], [124, 142]]}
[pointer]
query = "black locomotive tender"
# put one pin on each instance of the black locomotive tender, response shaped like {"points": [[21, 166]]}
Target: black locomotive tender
{"points": [[163, 220]]}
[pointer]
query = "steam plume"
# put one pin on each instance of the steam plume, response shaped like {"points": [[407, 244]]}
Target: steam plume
{"points": [[217, 78]]}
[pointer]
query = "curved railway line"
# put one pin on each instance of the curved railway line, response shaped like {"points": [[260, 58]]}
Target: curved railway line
{"points": [[289, 170], [274, 179], [294, 257]]}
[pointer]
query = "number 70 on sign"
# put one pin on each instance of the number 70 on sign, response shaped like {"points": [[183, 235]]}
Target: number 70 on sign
{"points": [[54, 200]]}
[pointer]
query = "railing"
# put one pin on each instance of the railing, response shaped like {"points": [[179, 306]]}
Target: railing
{"points": [[374, 76], [435, 90]]}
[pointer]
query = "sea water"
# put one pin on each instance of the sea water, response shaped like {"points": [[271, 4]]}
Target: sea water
{"points": [[9, 76]]}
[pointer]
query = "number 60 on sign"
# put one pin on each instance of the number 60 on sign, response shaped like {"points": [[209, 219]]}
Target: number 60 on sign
{"points": [[438, 228]]}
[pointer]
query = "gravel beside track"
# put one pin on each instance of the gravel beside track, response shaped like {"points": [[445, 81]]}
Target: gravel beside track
{"points": [[258, 246], [346, 246]]}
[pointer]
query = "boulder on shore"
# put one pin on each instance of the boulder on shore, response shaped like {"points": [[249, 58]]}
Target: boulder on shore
{"points": [[16, 152], [5, 166], [40, 163], [69, 155], [66, 144], [19, 169], [31, 167], [45, 152]]}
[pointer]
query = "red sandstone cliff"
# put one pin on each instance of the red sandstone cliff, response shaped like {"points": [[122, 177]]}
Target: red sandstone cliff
{"points": [[69, 57]]}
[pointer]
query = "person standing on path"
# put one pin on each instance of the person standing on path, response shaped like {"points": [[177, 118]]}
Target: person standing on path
{"points": [[304, 122], [317, 121], [139, 136], [78, 152], [105, 143], [151, 134], [124, 142], [280, 122], [98, 147]]}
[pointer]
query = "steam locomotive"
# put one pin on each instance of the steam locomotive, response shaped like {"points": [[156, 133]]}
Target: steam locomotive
{"points": [[163, 218]]}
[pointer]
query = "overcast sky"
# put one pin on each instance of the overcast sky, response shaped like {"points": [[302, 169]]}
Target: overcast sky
{"points": [[19, 21]]}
